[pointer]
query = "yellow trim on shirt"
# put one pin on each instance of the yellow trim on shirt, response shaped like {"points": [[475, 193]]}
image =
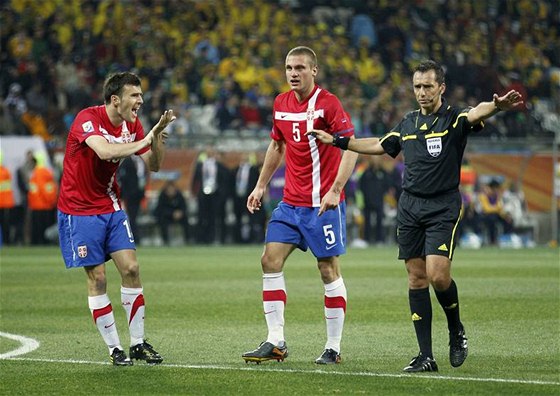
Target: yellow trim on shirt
{"points": [[436, 134]]}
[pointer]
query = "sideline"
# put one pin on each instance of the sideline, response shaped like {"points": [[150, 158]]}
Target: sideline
{"points": [[299, 371], [27, 345]]}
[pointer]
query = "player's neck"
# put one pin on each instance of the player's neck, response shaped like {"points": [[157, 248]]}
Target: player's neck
{"points": [[303, 95], [114, 116]]}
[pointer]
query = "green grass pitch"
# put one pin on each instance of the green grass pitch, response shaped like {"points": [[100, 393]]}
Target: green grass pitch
{"points": [[204, 309]]}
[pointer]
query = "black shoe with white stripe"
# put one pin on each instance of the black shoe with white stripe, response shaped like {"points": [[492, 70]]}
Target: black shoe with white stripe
{"points": [[420, 364], [119, 358], [458, 348]]}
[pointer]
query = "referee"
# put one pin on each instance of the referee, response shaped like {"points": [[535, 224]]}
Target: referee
{"points": [[433, 139]]}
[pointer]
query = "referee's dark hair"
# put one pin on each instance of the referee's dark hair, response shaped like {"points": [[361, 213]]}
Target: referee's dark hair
{"points": [[427, 65], [115, 83]]}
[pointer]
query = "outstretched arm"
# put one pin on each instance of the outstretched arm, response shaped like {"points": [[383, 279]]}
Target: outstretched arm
{"points": [[362, 146], [485, 110], [114, 152]]}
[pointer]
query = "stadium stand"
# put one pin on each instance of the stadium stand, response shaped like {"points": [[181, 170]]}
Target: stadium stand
{"points": [[195, 55]]}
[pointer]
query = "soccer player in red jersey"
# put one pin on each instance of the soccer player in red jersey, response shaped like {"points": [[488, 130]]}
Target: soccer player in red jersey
{"points": [[312, 213], [93, 227]]}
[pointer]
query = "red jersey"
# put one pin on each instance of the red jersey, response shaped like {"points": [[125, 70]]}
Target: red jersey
{"points": [[88, 185], [311, 168]]}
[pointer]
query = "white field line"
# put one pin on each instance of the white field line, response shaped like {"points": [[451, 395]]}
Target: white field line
{"points": [[29, 345]]}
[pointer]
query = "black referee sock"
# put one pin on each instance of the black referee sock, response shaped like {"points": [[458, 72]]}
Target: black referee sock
{"points": [[421, 310], [449, 301]]}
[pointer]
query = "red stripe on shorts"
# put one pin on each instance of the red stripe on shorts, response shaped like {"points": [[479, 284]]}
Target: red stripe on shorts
{"points": [[274, 295], [335, 302], [101, 312]]}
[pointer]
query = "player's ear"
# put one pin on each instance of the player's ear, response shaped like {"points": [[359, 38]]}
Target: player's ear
{"points": [[442, 88], [314, 70], [115, 99]]}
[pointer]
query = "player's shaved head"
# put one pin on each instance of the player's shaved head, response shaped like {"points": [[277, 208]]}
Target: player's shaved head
{"points": [[303, 50]]}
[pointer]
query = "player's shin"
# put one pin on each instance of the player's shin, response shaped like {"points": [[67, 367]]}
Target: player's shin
{"points": [[274, 301], [132, 300], [102, 313], [421, 313], [335, 312]]}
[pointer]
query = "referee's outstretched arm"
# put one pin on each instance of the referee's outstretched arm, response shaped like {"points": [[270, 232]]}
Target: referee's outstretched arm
{"points": [[499, 103], [362, 145]]}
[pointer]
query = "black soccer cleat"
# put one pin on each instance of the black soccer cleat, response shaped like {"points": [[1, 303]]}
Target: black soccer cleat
{"points": [[146, 352], [420, 364], [119, 358], [267, 351], [329, 356], [458, 348]]}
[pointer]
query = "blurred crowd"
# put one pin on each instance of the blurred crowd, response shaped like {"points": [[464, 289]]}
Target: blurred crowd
{"points": [[229, 55], [219, 64]]}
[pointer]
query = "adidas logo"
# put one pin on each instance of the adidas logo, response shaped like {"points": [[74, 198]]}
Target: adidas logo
{"points": [[424, 127], [443, 247], [416, 317]]}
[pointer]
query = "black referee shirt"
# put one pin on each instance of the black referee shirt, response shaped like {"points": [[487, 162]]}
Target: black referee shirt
{"points": [[433, 147]]}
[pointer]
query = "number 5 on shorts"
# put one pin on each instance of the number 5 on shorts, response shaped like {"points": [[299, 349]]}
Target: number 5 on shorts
{"points": [[329, 234]]}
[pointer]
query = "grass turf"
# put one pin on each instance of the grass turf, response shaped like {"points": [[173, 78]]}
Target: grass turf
{"points": [[203, 310]]}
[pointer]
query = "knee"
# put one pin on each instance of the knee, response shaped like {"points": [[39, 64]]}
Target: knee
{"points": [[270, 263], [440, 281], [131, 271], [330, 271], [97, 282], [417, 280]]}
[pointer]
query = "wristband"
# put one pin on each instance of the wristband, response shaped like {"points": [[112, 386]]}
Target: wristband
{"points": [[341, 142]]}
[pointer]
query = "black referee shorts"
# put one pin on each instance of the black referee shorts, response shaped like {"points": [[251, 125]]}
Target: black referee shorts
{"points": [[427, 225]]}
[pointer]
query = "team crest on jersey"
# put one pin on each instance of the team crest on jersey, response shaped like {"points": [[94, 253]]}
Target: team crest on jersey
{"points": [[310, 114], [434, 146], [82, 251], [126, 137], [87, 126]]}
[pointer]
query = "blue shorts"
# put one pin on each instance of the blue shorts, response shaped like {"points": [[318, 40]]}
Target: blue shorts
{"points": [[325, 235], [88, 240]]}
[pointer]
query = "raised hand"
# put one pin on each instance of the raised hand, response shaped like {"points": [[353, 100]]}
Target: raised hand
{"points": [[508, 101], [166, 118]]}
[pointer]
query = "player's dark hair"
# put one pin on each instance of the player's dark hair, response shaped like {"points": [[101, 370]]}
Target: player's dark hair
{"points": [[115, 83], [303, 50], [428, 65]]}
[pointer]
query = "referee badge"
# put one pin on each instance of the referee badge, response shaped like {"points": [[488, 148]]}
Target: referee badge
{"points": [[434, 146]]}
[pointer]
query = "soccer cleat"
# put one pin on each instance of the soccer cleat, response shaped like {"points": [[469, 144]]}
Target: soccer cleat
{"points": [[119, 358], [329, 356], [458, 348], [420, 364], [146, 352], [267, 351]]}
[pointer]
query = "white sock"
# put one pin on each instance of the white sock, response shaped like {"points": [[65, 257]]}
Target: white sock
{"points": [[132, 301], [335, 311], [102, 312], [274, 300]]}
